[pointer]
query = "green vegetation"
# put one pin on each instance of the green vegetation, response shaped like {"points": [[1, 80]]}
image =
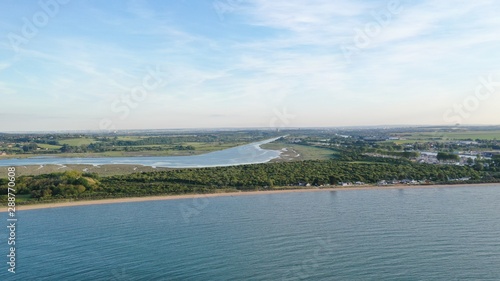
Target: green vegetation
{"points": [[304, 152], [403, 154], [141, 143], [77, 185], [443, 156], [77, 141], [315, 157], [439, 135], [129, 138], [49, 146], [103, 171]]}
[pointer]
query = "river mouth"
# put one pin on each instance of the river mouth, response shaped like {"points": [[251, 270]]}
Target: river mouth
{"points": [[250, 153]]}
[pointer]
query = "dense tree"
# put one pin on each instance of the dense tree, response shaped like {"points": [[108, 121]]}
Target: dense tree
{"points": [[74, 184], [443, 156], [30, 147]]}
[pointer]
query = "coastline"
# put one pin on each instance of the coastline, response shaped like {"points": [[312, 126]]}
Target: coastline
{"points": [[226, 194]]}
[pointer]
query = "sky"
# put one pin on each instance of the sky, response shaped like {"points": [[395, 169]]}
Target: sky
{"points": [[145, 64]]}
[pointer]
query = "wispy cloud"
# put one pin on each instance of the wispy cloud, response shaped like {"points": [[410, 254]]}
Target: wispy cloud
{"points": [[262, 56]]}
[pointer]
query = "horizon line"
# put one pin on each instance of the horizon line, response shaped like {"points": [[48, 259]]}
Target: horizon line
{"points": [[250, 128]]}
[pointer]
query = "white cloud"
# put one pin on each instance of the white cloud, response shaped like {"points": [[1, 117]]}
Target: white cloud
{"points": [[267, 55]]}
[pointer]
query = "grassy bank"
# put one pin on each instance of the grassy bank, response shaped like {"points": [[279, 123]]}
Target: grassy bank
{"points": [[299, 152], [104, 170]]}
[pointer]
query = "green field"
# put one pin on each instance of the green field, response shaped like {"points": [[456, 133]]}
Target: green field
{"points": [[446, 136], [169, 150], [313, 153], [200, 148], [204, 146], [305, 152], [129, 138], [77, 141], [484, 135]]}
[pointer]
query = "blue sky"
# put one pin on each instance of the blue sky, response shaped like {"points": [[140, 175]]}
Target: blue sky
{"points": [[72, 65]]}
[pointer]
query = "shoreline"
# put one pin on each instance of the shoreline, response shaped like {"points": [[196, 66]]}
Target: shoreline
{"points": [[225, 194]]}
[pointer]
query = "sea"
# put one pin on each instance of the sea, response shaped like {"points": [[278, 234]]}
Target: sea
{"points": [[441, 233]]}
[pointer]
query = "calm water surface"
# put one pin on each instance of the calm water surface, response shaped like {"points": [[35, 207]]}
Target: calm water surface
{"points": [[245, 154], [406, 234]]}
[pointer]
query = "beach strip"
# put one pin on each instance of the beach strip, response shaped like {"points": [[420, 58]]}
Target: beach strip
{"points": [[226, 194]]}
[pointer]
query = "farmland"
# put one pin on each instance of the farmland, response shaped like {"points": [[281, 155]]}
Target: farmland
{"points": [[125, 144], [442, 136]]}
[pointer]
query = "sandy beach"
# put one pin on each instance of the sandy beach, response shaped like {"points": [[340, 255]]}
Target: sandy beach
{"points": [[241, 193]]}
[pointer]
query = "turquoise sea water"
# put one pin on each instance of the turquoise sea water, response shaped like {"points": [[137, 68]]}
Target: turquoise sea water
{"points": [[400, 234]]}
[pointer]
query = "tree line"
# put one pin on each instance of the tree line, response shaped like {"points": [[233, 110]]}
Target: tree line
{"points": [[78, 185]]}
